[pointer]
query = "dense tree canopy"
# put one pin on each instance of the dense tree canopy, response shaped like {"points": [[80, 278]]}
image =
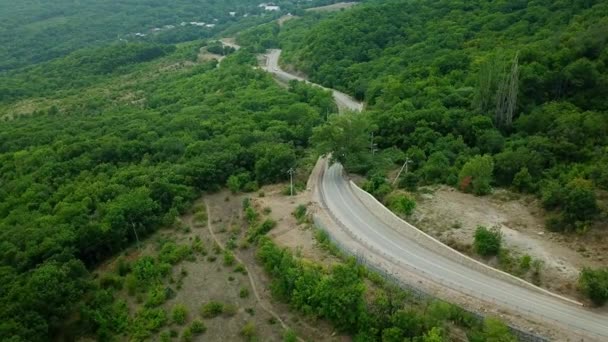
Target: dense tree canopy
{"points": [[32, 31], [80, 184], [523, 83]]}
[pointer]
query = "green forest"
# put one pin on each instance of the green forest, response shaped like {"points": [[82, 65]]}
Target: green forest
{"points": [[79, 185], [32, 31], [106, 137], [477, 94]]}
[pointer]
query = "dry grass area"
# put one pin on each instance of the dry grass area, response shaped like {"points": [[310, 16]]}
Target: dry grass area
{"points": [[206, 56], [453, 216], [285, 18], [225, 210], [205, 279], [243, 286], [333, 7], [288, 233]]}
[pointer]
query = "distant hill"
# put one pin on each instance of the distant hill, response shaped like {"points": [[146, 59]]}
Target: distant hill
{"points": [[32, 31]]}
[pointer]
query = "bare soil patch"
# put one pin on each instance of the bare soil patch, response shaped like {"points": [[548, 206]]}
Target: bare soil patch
{"points": [[453, 216], [288, 233], [208, 278], [285, 18], [225, 211], [333, 7], [206, 56]]}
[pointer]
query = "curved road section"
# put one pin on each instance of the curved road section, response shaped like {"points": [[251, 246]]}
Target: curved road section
{"points": [[363, 225], [381, 237], [344, 102]]}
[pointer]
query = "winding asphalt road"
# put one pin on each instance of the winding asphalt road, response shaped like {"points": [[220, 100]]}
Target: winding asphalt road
{"points": [[344, 205], [357, 219], [344, 102]]}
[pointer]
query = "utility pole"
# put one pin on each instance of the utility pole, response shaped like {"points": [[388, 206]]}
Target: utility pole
{"points": [[291, 172], [372, 146], [405, 166], [136, 237]]}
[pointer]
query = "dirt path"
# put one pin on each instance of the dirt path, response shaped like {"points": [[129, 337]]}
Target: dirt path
{"points": [[249, 273]]}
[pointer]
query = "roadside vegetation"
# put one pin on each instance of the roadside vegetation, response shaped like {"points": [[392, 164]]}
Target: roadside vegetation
{"points": [[360, 302], [474, 96], [594, 283]]}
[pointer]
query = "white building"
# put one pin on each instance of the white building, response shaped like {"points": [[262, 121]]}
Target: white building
{"points": [[269, 7]]}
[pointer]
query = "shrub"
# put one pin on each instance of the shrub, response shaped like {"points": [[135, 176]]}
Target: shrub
{"points": [[212, 309], [249, 331], [409, 181], [156, 296], [523, 181], [251, 215], [536, 268], [111, 281], [487, 242], [228, 258], [172, 253], [401, 204], [240, 268], [123, 267], [377, 186], [300, 213], [197, 327], [186, 335], [246, 203], [476, 175], [290, 336], [580, 203], [594, 284], [261, 229], [198, 246], [244, 293], [179, 314], [165, 336], [201, 218], [145, 322], [525, 262]]}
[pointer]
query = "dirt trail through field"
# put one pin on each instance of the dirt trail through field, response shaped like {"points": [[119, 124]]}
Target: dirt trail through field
{"points": [[262, 303]]}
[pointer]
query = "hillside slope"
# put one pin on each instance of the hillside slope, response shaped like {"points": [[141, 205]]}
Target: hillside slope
{"points": [[447, 82]]}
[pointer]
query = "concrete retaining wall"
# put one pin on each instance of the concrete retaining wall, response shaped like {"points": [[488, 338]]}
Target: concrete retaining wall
{"points": [[437, 246]]}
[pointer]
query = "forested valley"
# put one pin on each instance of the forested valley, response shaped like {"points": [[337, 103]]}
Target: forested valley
{"points": [[80, 182], [32, 32]]}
